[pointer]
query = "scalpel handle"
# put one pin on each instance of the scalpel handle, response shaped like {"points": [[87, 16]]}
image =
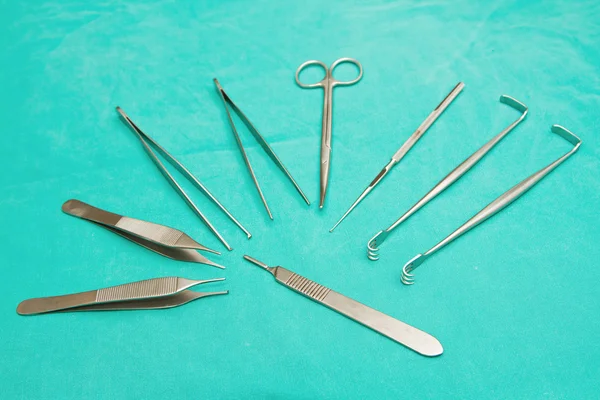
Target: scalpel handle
{"points": [[413, 338]]}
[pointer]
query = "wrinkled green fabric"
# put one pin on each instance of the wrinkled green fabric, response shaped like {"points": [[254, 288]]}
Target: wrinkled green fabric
{"points": [[515, 302]]}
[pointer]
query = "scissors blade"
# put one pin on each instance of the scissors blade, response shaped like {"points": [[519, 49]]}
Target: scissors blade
{"points": [[326, 140], [325, 158]]}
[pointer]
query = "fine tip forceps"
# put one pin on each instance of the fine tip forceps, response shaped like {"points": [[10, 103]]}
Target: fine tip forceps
{"points": [[149, 294], [453, 176], [327, 83], [148, 143], [495, 206], [166, 241], [261, 141], [400, 332], [405, 148]]}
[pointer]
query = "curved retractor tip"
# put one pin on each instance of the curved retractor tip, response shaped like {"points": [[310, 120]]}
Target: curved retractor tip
{"points": [[566, 134], [514, 103]]}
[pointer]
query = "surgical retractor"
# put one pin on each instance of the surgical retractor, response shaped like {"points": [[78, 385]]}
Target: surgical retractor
{"points": [[456, 174], [405, 148], [166, 241], [495, 206], [261, 141], [148, 143]]}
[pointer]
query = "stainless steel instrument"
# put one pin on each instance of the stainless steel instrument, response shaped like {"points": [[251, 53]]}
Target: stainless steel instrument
{"points": [[327, 83], [413, 338], [161, 239], [495, 206], [263, 143], [142, 295], [405, 148], [148, 143], [453, 176]]}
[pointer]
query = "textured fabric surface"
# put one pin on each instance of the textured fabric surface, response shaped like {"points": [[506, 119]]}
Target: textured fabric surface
{"points": [[515, 302]]}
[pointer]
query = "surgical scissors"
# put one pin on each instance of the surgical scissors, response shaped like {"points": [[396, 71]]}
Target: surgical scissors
{"points": [[327, 83]]}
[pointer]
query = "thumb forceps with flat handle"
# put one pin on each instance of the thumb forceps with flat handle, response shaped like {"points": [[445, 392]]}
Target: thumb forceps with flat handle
{"points": [[495, 206], [327, 83], [150, 294]]}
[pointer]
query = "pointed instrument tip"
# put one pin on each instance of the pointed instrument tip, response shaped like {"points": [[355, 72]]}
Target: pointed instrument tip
{"points": [[217, 265], [337, 223]]}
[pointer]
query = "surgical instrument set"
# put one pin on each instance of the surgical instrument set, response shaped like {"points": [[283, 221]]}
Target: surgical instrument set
{"points": [[495, 206], [261, 141], [148, 143], [167, 292], [327, 83], [453, 176], [149, 294], [413, 338], [161, 239], [405, 148]]}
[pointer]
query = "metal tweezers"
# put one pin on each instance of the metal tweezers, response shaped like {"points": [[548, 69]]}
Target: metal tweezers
{"points": [[161, 239], [263, 143], [149, 294], [147, 142]]}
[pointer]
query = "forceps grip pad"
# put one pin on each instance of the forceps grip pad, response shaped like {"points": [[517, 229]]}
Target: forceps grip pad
{"points": [[83, 210]]}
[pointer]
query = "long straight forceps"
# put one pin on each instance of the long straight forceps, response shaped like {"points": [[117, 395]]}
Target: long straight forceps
{"points": [[495, 206], [405, 148], [146, 142], [453, 176], [261, 141], [327, 83]]}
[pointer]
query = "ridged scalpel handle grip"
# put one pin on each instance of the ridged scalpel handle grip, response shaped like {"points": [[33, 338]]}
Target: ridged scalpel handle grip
{"points": [[307, 287]]}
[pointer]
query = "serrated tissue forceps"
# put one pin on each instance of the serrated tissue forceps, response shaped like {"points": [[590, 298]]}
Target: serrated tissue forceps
{"points": [[148, 143], [150, 294], [327, 83], [405, 148], [164, 240], [261, 141], [453, 176], [495, 206]]}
